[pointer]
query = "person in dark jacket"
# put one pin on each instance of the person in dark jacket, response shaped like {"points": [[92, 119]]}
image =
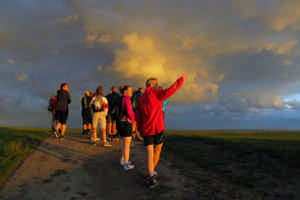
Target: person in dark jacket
{"points": [[114, 102], [86, 112], [62, 109]]}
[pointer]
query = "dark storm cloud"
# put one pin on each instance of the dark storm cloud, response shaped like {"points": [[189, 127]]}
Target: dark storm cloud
{"points": [[241, 56]]}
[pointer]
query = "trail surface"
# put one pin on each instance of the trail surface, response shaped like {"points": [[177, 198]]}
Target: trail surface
{"points": [[74, 169]]}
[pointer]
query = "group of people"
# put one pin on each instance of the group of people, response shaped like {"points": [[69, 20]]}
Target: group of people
{"points": [[127, 113]]}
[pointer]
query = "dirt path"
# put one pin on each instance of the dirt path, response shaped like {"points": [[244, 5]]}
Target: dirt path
{"points": [[74, 169]]}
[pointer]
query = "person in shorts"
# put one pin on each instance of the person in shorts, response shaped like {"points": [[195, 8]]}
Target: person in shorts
{"points": [[114, 102], [62, 109], [125, 122], [86, 113], [99, 105], [150, 122], [51, 108]]}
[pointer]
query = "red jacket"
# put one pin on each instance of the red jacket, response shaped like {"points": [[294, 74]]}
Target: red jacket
{"points": [[149, 115], [53, 102]]}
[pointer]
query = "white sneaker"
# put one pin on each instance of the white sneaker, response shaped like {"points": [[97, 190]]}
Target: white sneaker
{"points": [[122, 162], [155, 173], [106, 144], [128, 166], [97, 139]]}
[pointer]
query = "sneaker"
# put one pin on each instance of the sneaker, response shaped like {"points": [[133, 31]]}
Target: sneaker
{"points": [[97, 139], [128, 166], [155, 173], [122, 162], [152, 182], [55, 134], [62, 137], [106, 144], [92, 140]]}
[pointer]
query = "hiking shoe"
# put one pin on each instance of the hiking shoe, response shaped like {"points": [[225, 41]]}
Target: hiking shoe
{"points": [[128, 166], [106, 144], [55, 134], [152, 182], [122, 162]]}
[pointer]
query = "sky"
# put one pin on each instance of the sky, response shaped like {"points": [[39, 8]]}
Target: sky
{"points": [[241, 58]]}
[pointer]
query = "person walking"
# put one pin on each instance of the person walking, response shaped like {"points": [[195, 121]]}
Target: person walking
{"points": [[99, 105], [86, 112], [125, 127], [150, 120], [51, 108], [62, 109]]}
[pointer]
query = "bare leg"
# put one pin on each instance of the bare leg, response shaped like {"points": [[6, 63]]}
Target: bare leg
{"points": [[157, 151], [114, 128], [94, 133], [150, 156], [63, 129], [126, 149], [103, 130]]}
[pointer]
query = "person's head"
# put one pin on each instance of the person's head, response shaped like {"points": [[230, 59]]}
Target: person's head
{"points": [[127, 91], [141, 90], [99, 91], [87, 93], [152, 82], [121, 88], [64, 86], [114, 89]]}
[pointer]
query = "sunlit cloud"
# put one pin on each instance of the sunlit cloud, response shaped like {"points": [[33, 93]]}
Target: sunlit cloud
{"points": [[21, 77]]}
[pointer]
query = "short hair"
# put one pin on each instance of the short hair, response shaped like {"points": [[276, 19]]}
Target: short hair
{"points": [[124, 89], [99, 90], [148, 82], [63, 85]]}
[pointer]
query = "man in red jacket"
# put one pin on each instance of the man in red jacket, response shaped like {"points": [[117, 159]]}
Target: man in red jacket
{"points": [[150, 121]]}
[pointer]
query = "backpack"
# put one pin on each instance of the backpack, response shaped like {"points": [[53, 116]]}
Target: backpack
{"points": [[50, 106], [97, 103]]}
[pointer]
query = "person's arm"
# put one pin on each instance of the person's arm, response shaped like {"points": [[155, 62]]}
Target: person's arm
{"points": [[105, 105], [91, 103], [129, 110], [164, 94]]}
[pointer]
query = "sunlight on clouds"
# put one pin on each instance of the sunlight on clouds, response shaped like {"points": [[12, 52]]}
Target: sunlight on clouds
{"points": [[11, 61], [283, 48], [21, 77]]}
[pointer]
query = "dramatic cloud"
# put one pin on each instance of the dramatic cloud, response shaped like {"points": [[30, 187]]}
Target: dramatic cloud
{"points": [[241, 56]]}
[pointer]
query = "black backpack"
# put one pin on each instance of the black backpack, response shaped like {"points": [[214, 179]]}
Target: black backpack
{"points": [[50, 106]]}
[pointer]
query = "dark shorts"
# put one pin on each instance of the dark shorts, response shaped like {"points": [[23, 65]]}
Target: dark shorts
{"points": [[61, 116], [87, 117], [124, 128], [112, 118], [154, 139]]}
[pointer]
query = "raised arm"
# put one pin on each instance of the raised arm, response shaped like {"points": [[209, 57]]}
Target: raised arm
{"points": [[164, 94]]}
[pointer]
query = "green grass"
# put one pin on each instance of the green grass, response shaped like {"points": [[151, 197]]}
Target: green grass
{"points": [[15, 144], [280, 144]]}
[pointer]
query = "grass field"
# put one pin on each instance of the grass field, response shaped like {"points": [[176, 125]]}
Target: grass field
{"points": [[15, 144], [247, 159], [281, 144]]}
